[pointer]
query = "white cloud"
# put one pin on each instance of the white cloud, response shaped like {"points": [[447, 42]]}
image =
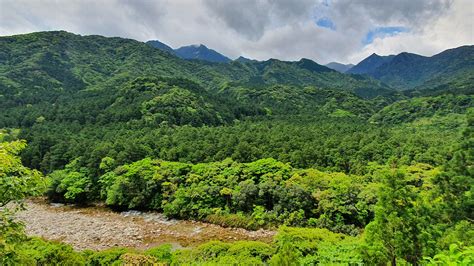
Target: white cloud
{"points": [[260, 29], [451, 30]]}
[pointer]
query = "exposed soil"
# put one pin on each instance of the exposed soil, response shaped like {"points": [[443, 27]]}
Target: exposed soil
{"points": [[99, 228]]}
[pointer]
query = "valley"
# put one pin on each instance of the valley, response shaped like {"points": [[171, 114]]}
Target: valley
{"points": [[208, 160]]}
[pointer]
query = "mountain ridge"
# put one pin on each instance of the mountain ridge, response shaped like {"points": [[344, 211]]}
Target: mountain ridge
{"points": [[340, 67], [191, 52]]}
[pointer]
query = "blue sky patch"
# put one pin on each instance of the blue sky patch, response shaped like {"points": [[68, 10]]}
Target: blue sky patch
{"points": [[326, 23], [382, 32]]}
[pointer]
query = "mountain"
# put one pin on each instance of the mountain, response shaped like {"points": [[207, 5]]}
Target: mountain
{"points": [[88, 73], [201, 52], [339, 67], [245, 59], [159, 45], [369, 64], [408, 71]]}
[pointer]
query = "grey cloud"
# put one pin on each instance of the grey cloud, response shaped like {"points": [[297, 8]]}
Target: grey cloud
{"points": [[262, 29], [408, 12], [252, 17]]}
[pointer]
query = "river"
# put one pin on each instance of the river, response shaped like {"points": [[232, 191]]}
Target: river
{"points": [[99, 228]]}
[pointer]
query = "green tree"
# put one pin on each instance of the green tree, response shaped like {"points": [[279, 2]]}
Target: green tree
{"points": [[400, 218], [16, 183]]}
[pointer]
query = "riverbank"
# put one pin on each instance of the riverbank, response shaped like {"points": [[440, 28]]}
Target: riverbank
{"points": [[99, 228]]}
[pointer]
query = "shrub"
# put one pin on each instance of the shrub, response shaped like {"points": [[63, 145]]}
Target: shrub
{"points": [[107, 257], [36, 251], [162, 253]]}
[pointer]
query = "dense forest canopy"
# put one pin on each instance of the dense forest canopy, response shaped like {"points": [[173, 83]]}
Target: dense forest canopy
{"points": [[353, 169]]}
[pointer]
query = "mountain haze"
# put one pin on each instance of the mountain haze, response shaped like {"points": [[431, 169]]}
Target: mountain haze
{"points": [[339, 67]]}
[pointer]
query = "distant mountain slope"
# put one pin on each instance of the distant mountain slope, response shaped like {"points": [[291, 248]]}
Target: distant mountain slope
{"points": [[244, 59], [201, 52], [45, 68], [159, 45], [339, 67], [370, 64], [407, 70]]}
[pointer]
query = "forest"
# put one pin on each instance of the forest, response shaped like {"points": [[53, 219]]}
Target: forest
{"points": [[345, 168]]}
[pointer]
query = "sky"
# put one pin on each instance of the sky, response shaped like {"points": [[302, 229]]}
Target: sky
{"points": [[344, 31]]}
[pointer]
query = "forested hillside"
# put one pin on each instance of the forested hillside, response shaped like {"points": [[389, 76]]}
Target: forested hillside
{"points": [[355, 171], [407, 71]]}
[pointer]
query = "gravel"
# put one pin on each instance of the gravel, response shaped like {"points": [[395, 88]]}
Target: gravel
{"points": [[98, 228]]}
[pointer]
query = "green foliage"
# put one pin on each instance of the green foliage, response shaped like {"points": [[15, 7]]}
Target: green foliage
{"points": [[263, 193], [454, 256], [311, 246], [72, 184], [350, 154], [162, 253], [414, 108], [36, 251], [107, 257], [16, 183], [218, 253], [401, 225]]}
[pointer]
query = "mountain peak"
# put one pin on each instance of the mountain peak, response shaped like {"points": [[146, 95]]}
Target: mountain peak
{"points": [[242, 59], [201, 46], [312, 66], [201, 52], [159, 45], [370, 64], [194, 51]]}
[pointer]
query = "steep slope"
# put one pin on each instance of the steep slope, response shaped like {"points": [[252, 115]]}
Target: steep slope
{"points": [[407, 71], [339, 67], [370, 64], [159, 45], [306, 72], [201, 52], [46, 66]]}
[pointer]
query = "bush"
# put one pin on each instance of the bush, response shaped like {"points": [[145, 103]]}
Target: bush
{"points": [[456, 255], [233, 220], [162, 253], [107, 257], [36, 251], [315, 246]]}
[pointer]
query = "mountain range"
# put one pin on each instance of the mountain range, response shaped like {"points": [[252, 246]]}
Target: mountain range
{"points": [[52, 81], [404, 71], [410, 71]]}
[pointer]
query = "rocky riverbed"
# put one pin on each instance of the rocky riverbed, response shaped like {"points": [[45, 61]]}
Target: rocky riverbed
{"points": [[99, 228]]}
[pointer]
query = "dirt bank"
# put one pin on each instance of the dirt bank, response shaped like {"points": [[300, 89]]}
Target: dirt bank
{"points": [[99, 228]]}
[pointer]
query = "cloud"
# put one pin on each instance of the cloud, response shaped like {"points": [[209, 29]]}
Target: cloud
{"points": [[452, 29], [322, 30], [252, 18]]}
